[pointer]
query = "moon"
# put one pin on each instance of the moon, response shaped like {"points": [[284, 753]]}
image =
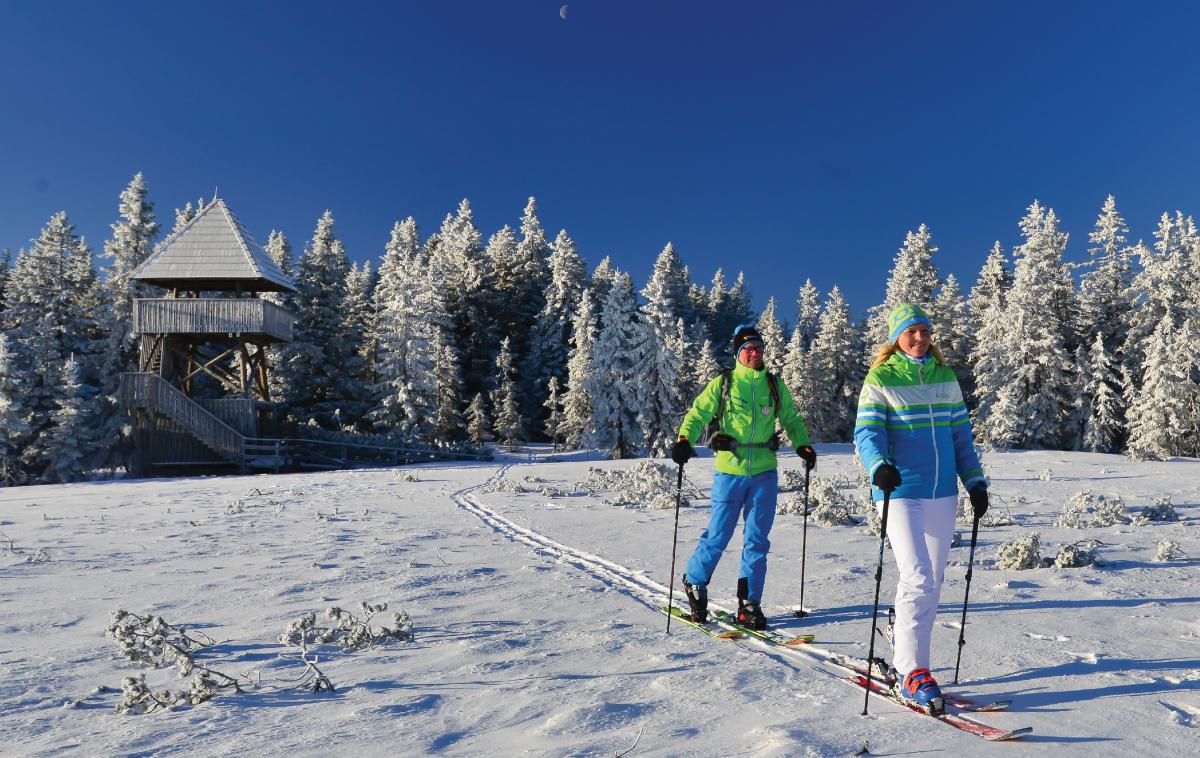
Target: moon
{"points": [[562, 13]]}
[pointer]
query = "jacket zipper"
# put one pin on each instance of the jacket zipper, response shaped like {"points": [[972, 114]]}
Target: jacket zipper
{"points": [[932, 435], [753, 412]]}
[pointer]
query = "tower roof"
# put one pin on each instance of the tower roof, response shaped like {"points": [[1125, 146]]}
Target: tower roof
{"points": [[213, 251]]}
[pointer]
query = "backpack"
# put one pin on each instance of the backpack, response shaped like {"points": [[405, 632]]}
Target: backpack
{"points": [[714, 426]]}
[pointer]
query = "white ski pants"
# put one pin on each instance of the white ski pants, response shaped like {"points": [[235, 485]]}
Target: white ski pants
{"points": [[920, 531]]}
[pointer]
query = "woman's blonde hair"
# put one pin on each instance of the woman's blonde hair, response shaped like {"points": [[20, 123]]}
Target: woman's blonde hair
{"points": [[887, 348]]}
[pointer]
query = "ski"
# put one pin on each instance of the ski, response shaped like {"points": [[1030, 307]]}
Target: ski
{"points": [[729, 619], [683, 616], [956, 720], [853, 666], [956, 706]]}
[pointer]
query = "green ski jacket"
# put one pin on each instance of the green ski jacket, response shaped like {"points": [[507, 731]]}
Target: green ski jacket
{"points": [[749, 418]]}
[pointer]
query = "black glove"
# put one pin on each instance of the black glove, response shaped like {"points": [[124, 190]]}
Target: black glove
{"points": [[887, 477], [979, 500], [721, 441], [809, 455], [681, 452]]}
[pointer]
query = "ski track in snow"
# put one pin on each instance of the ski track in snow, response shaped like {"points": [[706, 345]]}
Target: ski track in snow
{"points": [[649, 592]]}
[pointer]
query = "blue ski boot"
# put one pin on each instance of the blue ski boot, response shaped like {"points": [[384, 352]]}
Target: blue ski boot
{"points": [[919, 689]]}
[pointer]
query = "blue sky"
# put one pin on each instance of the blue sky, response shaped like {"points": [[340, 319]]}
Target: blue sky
{"points": [[790, 140]]}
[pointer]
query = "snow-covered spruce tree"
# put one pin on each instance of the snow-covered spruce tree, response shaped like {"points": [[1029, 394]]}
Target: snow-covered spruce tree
{"points": [[704, 369], [601, 281], [1164, 403], [280, 251], [1105, 287], [807, 388], [1035, 400], [322, 364], [5, 268], [577, 403], [773, 337], [362, 375], [448, 422], [728, 307], [554, 411], [662, 381], [509, 427], [458, 265], [1101, 402], [662, 378], [808, 311], [55, 310], [913, 279], [953, 331], [402, 396], [131, 244], [72, 440], [837, 370], [551, 339], [612, 375], [184, 215], [13, 428], [1167, 282], [511, 302], [988, 323], [479, 430]]}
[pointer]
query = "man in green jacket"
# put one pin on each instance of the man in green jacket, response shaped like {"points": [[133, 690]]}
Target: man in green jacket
{"points": [[746, 402]]}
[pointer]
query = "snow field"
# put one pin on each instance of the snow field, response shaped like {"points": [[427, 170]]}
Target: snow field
{"points": [[536, 628]]}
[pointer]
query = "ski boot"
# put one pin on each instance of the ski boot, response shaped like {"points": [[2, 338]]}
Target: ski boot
{"points": [[697, 597], [918, 688], [749, 614]]}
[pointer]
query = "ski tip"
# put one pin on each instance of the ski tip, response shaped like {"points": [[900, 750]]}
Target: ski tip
{"points": [[999, 705], [1015, 733], [803, 639]]}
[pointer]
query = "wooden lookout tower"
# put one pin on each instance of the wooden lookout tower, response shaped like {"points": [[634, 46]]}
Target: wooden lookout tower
{"points": [[201, 394]]}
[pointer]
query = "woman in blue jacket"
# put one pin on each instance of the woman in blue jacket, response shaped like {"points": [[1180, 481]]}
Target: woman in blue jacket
{"points": [[915, 440]]}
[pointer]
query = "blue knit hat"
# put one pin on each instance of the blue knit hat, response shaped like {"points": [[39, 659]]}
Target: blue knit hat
{"points": [[904, 316], [745, 334]]}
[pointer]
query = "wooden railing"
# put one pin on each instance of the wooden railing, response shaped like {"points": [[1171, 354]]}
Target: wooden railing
{"points": [[235, 316], [152, 392]]}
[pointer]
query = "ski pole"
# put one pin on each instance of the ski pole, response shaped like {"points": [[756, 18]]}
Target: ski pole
{"points": [[962, 627], [803, 547], [887, 496], [674, 543]]}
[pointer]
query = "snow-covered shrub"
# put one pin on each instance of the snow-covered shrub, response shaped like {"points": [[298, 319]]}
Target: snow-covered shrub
{"points": [[548, 491], [1076, 556], [828, 505], [663, 502], [1162, 510], [404, 476], [1111, 511], [1085, 510], [833, 514], [1020, 554], [1045, 475], [874, 522], [793, 503], [504, 485], [530, 479], [151, 641], [349, 632], [1169, 550], [640, 485], [791, 480], [997, 514]]}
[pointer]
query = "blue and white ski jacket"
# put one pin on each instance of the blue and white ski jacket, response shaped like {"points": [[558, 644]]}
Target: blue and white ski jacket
{"points": [[911, 414]]}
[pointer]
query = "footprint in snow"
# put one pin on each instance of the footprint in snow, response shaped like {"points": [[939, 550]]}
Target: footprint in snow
{"points": [[1184, 715], [1051, 638]]}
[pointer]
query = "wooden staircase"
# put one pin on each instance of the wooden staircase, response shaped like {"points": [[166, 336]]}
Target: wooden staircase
{"points": [[150, 392]]}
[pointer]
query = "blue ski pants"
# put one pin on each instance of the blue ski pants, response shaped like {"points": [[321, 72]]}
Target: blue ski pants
{"points": [[753, 499]]}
